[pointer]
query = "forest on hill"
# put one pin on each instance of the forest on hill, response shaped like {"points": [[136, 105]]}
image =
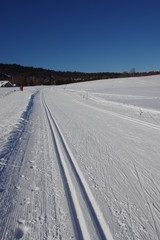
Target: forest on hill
{"points": [[30, 76]]}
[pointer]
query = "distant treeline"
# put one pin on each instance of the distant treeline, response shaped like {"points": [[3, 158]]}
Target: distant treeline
{"points": [[30, 76]]}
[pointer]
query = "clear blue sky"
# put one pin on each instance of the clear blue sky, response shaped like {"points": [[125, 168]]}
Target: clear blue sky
{"points": [[81, 35]]}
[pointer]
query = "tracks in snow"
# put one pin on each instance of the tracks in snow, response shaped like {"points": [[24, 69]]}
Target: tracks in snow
{"points": [[121, 116], [87, 218]]}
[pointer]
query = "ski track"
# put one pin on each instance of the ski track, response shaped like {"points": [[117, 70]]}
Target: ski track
{"points": [[123, 117], [99, 222]]}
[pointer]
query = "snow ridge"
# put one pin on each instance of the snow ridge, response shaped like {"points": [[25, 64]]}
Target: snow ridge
{"points": [[123, 117], [16, 134]]}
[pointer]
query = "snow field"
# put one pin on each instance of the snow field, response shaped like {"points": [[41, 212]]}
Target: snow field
{"points": [[84, 163]]}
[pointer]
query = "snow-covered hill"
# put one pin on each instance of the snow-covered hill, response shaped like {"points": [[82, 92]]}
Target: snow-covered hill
{"points": [[81, 161]]}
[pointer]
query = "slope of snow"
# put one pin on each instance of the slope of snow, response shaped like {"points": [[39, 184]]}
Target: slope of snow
{"points": [[84, 163]]}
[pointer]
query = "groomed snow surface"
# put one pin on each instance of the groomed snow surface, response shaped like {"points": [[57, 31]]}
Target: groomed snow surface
{"points": [[81, 161]]}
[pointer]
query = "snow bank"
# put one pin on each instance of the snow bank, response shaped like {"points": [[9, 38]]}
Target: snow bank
{"points": [[15, 108]]}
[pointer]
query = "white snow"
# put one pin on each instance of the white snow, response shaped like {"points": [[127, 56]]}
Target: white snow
{"points": [[81, 161]]}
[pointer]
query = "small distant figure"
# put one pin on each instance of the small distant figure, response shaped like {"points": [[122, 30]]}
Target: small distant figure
{"points": [[21, 88], [140, 112]]}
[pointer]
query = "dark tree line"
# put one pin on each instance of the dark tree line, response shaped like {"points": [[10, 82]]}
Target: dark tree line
{"points": [[29, 76]]}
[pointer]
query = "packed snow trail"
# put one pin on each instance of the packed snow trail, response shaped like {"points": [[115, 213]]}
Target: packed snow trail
{"points": [[93, 208], [29, 205], [32, 199]]}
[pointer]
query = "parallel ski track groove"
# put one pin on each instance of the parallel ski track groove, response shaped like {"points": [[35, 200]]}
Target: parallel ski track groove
{"points": [[75, 221], [101, 227]]}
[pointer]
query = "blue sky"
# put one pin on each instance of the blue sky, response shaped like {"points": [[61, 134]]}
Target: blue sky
{"points": [[81, 35]]}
